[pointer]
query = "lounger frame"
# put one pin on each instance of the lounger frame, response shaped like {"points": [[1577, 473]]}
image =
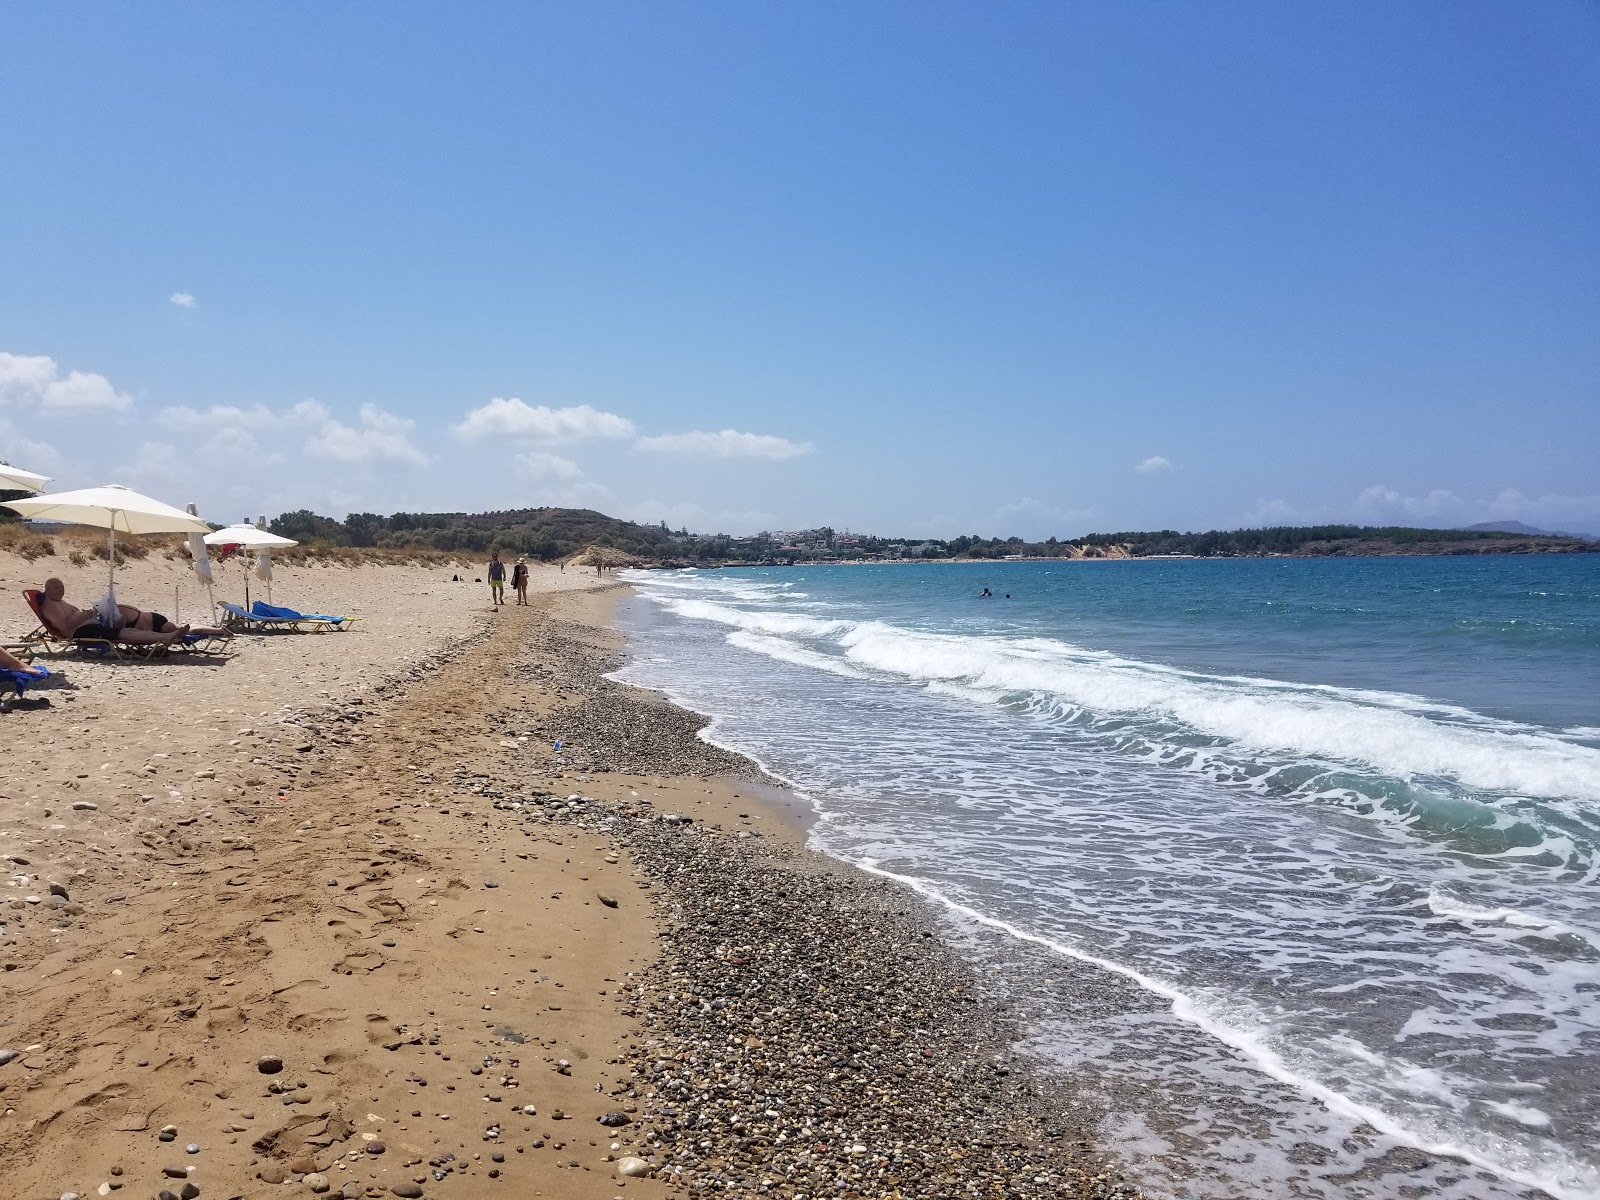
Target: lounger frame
{"points": [[240, 618], [45, 640]]}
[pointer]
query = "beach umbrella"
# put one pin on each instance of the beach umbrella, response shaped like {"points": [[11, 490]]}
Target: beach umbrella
{"points": [[263, 567], [202, 563], [113, 508], [15, 479], [246, 536]]}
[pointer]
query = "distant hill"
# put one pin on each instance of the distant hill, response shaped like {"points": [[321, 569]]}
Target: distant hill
{"points": [[544, 533], [1519, 527], [559, 533]]}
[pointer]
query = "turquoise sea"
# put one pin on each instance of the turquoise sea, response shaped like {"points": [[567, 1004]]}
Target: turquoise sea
{"points": [[1290, 868]]}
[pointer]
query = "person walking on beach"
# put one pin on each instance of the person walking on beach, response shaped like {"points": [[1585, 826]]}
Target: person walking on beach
{"points": [[519, 580], [497, 579]]}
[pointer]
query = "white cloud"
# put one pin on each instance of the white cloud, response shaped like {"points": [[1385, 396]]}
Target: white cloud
{"points": [[698, 519], [380, 438], [34, 379], [503, 417], [182, 299], [235, 432], [220, 416], [1380, 502], [1438, 508], [1274, 512], [726, 443], [156, 462], [1152, 465], [22, 451], [538, 465]]}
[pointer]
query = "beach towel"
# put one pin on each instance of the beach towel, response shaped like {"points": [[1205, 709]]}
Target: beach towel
{"points": [[21, 679], [273, 612]]}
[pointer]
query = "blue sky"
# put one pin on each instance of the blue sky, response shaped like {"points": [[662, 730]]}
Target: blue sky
{"points": [[923, 268]]}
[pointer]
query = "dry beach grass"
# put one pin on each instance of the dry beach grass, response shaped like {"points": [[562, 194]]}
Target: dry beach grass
{"points": [[356, 853]]}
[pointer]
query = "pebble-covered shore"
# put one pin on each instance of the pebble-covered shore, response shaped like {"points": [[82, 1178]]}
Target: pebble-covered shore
{"points": [[805, 1032]]}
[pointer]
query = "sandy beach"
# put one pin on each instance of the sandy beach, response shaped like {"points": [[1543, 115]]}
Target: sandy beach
{"points": [[333, 916]]}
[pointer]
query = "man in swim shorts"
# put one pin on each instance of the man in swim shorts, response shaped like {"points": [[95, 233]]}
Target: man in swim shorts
{"points": [[72, 622], [497, 579]]}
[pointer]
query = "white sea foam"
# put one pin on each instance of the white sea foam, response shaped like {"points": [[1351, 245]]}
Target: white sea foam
{"points": [[787, 651], [1564, 1178], [1453, 908], [1522, 1113], [1403, 736]]}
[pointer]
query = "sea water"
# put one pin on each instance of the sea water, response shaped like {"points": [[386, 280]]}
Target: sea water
{"points": [[1289, 868]]}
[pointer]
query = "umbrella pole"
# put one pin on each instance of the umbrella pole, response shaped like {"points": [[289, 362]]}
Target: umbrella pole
{"points": [[111, 557]]}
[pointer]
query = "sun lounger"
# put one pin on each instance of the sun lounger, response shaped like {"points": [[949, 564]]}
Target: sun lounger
{"points": [[265, 617], [53, 641]]}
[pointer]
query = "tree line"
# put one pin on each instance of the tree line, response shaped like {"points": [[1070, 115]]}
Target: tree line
{"points": [[553, 533]]}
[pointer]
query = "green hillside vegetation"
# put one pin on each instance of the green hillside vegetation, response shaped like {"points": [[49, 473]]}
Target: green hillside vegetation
{"points": [[542, 533], [556, 533]]}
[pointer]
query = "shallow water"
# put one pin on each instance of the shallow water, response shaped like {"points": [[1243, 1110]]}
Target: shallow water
{"points": [[1334, 825]]}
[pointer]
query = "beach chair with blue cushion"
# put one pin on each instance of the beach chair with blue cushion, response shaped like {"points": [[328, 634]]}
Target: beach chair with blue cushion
{"points": [[268, 618], [306, 622]]}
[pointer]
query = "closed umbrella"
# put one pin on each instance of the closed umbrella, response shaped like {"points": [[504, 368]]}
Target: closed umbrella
{"points": [[202, 563], [246, 536], [113, 508], [15, 479]]}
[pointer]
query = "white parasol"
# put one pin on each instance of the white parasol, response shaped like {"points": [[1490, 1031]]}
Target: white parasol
{"points": [[15, 479], [202, 563], [113, 508], [246, 536]]}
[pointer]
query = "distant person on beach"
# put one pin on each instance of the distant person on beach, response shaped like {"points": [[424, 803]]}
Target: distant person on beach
{"points": [[497, 579], [10, 662], [69, 621], [519, 580]]}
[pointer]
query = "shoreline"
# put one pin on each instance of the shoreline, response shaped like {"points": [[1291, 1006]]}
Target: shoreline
{"points": [[384, 884], [982, 1105]]}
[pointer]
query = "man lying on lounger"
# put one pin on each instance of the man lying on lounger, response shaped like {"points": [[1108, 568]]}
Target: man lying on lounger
{"points": [[137, 628]]}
